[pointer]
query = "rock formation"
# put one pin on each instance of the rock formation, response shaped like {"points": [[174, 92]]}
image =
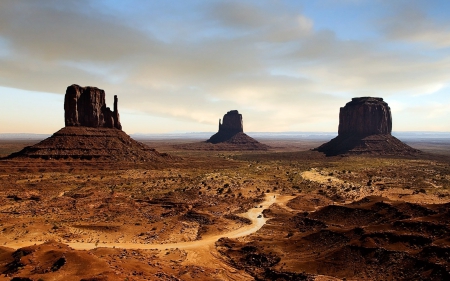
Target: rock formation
{"points": [[365, 126], [231, 125], [230, 136], [86, 106], [92, 132], [365, 116]]}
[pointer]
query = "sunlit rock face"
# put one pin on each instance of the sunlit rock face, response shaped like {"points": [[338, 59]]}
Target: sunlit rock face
{"points": [[86, 106], [365, 116]]}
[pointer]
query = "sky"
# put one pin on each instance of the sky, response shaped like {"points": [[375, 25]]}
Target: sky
{"points": [[179, 66]]}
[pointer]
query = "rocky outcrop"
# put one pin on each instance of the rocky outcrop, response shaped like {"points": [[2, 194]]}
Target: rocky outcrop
{"points": [[92, 132], [365, 126], [230, 137], [232, 123], [365, 116], [86, 106]]}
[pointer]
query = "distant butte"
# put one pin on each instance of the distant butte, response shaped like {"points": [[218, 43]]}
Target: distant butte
{"points": [[365, 126], [230, 137], [231, 134], [92, 132], [230, 127]]}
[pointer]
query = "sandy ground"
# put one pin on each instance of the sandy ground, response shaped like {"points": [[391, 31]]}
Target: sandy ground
{"points": [[254, 214], [324, 218]]}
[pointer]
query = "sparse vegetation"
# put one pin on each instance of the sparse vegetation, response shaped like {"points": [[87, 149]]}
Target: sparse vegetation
{"points": [[202, 194]]}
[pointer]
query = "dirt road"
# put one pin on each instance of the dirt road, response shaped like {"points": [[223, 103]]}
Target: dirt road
{"points": [[254, 214]]}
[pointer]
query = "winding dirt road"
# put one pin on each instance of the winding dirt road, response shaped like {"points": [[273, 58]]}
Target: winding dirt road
{"points": [[254, 214]]}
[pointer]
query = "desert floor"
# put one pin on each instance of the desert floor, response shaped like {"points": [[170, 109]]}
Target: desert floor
{"points": [[284, 214]]}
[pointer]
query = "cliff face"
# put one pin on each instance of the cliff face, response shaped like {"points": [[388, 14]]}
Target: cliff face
{"points": [[92, 132], [86, 106], [365, 126], [232, 123], [365, 116]]}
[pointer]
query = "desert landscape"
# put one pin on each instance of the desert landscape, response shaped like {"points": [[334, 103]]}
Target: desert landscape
{"points": [[224, 140], [322, 218], [91, 203]]}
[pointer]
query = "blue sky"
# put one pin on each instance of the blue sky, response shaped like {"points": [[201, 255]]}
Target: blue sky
{"points": [[179, 66]]}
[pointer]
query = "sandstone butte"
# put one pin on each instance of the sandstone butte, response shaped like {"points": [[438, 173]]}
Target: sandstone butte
{"points": [[92, 132], [231, 133], [365, 126], [86, 106]]}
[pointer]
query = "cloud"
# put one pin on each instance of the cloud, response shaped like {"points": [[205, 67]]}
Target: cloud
{"points": [[270, 22], [411, 24], [196, 60], [365, 68]]}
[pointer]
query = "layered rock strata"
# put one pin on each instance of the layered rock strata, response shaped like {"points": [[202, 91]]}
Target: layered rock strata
{"points": [[85, 143]]}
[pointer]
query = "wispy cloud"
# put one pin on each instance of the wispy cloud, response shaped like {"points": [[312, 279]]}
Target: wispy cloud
{"points": [[198, 59], [411, 24]]}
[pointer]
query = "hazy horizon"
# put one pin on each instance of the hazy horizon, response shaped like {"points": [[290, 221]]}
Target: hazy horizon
{"points": [[271, 135], [180, 66]]}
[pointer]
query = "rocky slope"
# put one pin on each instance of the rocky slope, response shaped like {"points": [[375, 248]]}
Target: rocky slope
{"points": [[86, 143]]}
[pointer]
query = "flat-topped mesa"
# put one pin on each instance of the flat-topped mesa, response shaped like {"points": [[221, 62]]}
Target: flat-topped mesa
{"points": [[86, 106], [365, 126], [232, 123], [365, 116]]}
